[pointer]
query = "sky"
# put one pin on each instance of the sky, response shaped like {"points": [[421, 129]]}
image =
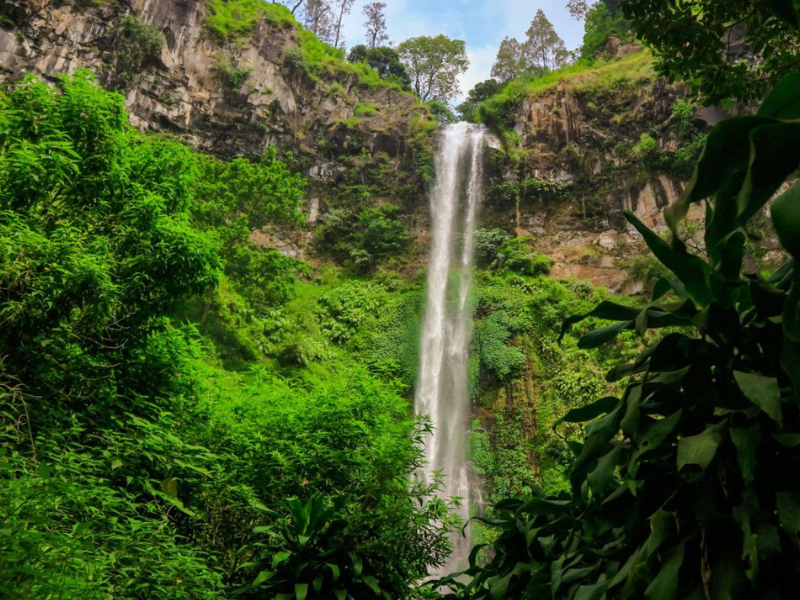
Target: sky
{"points": [[481, 23]]}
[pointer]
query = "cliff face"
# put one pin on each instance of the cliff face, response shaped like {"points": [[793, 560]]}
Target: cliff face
{"points": [[185, 90], [595, 142]]}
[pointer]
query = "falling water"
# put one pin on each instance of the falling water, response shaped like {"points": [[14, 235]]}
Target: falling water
{"points": [[443, 386]]}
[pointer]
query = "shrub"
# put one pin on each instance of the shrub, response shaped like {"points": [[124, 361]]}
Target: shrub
{"points": [[136, 45], [497, 357], [644, 147]]}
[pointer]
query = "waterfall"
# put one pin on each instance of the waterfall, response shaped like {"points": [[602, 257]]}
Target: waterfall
{"points": [[443, 387]]}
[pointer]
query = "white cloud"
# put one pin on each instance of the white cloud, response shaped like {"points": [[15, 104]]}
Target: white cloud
{"points": [[481, 61]]}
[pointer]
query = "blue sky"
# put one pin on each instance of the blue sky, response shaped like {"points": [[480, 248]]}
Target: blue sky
{"points": [[481, 23]]}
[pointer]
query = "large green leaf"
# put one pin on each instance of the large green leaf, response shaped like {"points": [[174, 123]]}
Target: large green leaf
{"points": [[700, 449], [775, 156], [656, 432], [784, 101], [372, 583], [600, 337], [599, 434], [789, 511], [595, 591], [786, 218], [607, 310], [762, 391], [587, 413], [300, 591], [602, 475], [723, 165], [693, 272], [665, 584]]}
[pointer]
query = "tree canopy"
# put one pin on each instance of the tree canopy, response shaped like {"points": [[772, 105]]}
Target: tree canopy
{"points": [[544, 48], [386, 61], [434, 64], [511, 62], [375, 25]]}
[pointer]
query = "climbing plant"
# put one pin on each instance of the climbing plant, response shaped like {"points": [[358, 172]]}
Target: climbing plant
{"points": [[681, 487]]}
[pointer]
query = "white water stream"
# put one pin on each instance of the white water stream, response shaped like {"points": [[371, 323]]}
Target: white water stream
{"points": [[443, 387]]}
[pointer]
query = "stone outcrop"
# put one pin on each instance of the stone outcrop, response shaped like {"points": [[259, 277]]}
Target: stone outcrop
{"points": [[577, 140], [185, 93]]}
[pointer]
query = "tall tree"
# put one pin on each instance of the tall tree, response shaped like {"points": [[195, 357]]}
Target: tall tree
{"points": [[318, 18], [376, 24], [544, 47], [434, 64], [511, 61], [579, 8], [343, 7]]}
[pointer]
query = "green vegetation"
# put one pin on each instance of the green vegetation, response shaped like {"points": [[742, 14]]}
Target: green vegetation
{"points": [[693, 42], [135, 45], [601, 24], [433, 64], [187, 413], [362, 238], [586, 77], [678, 489], [232, 75], [236, 20], [386, 61], [152, 419]]}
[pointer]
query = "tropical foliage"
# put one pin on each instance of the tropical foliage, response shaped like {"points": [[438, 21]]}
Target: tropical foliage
{"points": [[143, 429], [676, 488]]}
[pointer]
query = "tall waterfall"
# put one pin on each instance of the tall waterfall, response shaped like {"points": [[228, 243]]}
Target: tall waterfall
{"points": [[443, 387]]}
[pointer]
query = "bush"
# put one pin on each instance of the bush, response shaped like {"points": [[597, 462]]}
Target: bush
{"points": [[644, 147], [93, 219], [497, 357], [365, 238], [136, 45], [496, 249]]}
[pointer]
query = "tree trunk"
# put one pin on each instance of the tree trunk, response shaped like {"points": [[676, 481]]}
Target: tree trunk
{"points": [[339, 23]]}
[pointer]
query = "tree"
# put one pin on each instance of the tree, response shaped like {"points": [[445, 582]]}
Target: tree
{"points": [[544, 48], [376, 24], [477, 95], [292, 5], [721, 49], [343, 8], [601, 24], [434, 64], [318, 19], [511, 61], [386, 61], [578, 8]]}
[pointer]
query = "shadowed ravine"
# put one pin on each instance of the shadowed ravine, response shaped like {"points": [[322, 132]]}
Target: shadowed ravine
{"points": [[443, 388]]}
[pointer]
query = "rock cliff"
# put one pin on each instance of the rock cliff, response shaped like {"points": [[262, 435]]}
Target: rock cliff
{"points": [[225, 97], [597, 141]]}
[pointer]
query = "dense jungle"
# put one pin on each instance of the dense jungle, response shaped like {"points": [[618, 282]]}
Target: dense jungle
{"points": [[288, 317]]}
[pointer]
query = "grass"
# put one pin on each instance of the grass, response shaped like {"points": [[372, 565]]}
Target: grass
{"points": [[235, 20]]}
